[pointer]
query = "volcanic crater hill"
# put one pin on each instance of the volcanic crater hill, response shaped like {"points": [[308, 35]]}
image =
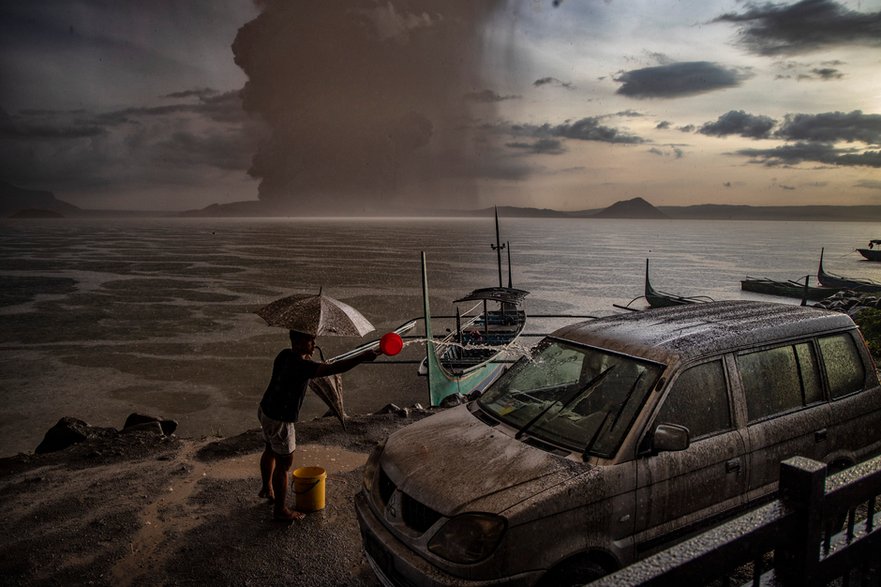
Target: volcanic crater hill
{"points": [[635, 208]]}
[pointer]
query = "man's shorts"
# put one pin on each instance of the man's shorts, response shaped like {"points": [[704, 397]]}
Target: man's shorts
{"points": [[279, 435]]}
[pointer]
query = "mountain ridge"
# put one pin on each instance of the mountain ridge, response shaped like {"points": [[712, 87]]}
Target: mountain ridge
{"points": [[14, 200]]}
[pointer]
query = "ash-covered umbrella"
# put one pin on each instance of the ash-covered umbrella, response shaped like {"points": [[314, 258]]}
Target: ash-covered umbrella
{"points": [[318, 315]]}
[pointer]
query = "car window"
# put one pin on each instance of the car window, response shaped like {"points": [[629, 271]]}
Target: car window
{"points": [[809, 370], [844, 368], [771, 381], [698, 400]]}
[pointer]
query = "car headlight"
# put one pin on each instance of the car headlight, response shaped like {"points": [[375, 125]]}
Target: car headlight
{"points": [[372, 465], [468, 538]]}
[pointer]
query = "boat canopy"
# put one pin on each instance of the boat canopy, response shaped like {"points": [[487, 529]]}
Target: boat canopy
{"points": [[505, 295], [875, 241]]}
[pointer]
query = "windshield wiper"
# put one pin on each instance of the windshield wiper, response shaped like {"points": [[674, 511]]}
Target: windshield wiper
{"points": [[618, 413], [587, 389]]}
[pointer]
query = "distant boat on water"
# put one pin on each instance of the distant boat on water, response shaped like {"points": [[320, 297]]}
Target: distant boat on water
{"points": [[662, 299], [788, 288], [832, 280], [871, 253]]}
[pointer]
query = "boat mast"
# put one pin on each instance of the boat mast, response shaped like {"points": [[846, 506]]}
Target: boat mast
{"points": [[498, 246]]}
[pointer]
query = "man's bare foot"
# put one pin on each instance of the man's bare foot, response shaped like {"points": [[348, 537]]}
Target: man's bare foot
{"points": [[267, 495], [286, 515]]}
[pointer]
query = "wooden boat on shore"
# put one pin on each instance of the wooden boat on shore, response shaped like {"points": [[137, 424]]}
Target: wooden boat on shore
{"points": [[788, 288], [871, 253], [475, 352], [840, 282], [467, 359], [662, 299]]}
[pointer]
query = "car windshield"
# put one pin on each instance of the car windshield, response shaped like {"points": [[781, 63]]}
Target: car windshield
{"points": [[582, 398]]}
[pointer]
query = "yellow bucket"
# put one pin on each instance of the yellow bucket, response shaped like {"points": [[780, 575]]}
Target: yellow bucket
{"points": [[309, 488]]}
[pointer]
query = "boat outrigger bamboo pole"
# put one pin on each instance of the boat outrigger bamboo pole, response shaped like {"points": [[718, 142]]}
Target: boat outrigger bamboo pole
{"points": [[508, 248]]}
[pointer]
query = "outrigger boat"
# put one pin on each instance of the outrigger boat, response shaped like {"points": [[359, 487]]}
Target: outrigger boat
{"points": [[788, 288], [832, 280], [662, 299], [469, 359], [871, 253]]}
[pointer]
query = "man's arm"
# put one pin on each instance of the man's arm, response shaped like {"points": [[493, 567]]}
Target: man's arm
{"points": [[325, 369]]}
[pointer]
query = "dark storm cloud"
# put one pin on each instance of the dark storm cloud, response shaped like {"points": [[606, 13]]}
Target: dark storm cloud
{"points": [[668, 151], [100, 54], [663, 125], [827, 73], [678, 79], [589, 129], [539, 147], [552, 81], [489, 96], [738, 122], [82, 148], [788, 155], [44, 124], [197, 93], [364, 99], [823, 71], [770, 29], [831, 127]]}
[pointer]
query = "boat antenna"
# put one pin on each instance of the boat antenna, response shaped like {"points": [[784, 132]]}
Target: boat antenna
{"points": [[498, 246], [508, 247]]}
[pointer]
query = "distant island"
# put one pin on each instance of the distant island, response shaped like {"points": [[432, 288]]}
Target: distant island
{"points": [[17, 202]]}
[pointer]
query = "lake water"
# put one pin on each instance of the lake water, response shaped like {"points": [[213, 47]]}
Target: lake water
{"points": [[101, 318]]}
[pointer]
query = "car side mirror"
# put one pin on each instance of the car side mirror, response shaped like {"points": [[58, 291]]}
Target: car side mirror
{"points": [[669, 438]]}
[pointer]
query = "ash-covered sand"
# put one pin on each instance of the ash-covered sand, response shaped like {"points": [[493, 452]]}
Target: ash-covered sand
{"points": [[140, 509]]}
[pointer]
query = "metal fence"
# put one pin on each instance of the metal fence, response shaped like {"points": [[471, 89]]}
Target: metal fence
{"points": [[820, 530]]}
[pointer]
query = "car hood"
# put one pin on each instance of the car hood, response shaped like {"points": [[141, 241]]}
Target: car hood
{"points": [[452, 462]]}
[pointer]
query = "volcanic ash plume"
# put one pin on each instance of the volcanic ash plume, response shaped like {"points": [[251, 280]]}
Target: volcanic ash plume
{"points": [[365, 100]]}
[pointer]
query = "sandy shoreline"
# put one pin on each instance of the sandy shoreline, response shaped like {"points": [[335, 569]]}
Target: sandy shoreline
{"points": [[142, 509]]}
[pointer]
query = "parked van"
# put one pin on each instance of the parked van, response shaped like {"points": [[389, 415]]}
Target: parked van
{"points": [[615, 438]]}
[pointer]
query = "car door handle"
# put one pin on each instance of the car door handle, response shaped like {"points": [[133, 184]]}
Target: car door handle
{"points": [[732, 465], [820, 435]]}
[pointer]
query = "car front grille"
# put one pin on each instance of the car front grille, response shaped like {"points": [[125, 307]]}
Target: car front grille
{"points": [[386, 487], [415, 515]]}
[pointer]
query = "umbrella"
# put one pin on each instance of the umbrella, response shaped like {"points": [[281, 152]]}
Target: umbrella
{"points": [[316, 315], [330, 390]]}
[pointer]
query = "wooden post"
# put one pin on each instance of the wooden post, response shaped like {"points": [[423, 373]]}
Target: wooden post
{"points": [[802, 487]]}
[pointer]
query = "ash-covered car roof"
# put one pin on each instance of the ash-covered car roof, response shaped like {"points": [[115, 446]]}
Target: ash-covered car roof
{"points": [[697, 330]]}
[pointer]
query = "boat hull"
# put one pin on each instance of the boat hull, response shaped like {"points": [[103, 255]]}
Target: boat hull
{"points": [[786, 289], [870, 254], [830, 280]]}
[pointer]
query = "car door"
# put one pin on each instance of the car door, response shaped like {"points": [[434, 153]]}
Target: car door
{"points": [[787, 414], [678, 490], [855, 399]]}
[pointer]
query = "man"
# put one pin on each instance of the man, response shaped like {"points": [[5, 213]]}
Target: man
{"points": [[280, 408]]}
